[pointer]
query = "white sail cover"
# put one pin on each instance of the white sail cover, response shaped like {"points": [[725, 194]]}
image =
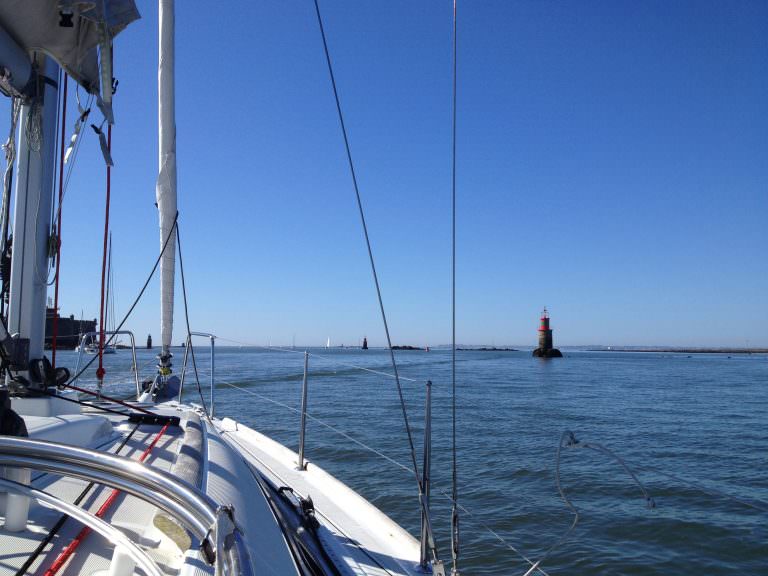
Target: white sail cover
{"points": [[36, 25], [166, 180]]}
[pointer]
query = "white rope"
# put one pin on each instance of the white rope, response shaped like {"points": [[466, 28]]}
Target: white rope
{"points": [[34, 126]]}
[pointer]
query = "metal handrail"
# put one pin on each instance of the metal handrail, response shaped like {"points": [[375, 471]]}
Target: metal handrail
{"points": [[197, 512], [113, 333], [109, 532], [213, 357]]}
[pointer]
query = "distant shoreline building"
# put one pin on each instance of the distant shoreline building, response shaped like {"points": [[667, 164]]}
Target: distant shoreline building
{"points": [[545, 349], [68, 330]]}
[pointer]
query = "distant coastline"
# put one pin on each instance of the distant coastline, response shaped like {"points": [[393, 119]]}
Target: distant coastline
{"points": [[685, 350], [487, 349]]}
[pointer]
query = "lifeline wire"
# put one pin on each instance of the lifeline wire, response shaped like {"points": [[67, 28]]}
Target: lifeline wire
{"points": [[389, 459], [373, 270], [454, 481]]}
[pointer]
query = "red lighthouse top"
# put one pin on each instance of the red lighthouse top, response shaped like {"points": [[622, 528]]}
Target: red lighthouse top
{"points": [[544, 320]]}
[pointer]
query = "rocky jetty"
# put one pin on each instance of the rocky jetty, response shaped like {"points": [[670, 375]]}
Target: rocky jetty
{"points": [[547, 353]]}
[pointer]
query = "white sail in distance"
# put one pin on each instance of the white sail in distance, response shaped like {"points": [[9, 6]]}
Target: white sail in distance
{"points": [[166, 180]]}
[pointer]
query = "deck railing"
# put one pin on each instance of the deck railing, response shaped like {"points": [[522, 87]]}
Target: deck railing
{"points": [[89, 335], [213, 366], [212, 525]]}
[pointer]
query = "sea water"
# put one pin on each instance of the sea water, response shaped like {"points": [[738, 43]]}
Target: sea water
{"points": [[692, 428]]}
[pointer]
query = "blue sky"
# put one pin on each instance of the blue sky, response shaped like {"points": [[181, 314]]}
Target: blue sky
{"points": [[612, 165]]}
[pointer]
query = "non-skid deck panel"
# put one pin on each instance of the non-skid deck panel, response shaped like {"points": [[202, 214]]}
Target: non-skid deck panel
{"points": [[83, 430]]}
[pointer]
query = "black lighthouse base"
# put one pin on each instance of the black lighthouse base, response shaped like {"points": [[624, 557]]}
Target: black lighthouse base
{"points": [[547, 353]]}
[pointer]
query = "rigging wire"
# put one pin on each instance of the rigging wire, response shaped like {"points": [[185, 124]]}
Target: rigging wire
{"points": [[454, 477], [100, 371], [50, 259], [79, 135], [55, 327], [9, 147], [70, 159], [189, 332], [376, 280], [130, 310]]}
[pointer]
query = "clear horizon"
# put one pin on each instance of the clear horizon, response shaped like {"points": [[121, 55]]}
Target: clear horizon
{"points": [[611, 166]]}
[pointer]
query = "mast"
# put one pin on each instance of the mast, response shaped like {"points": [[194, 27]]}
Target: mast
{"points": [[34, 188], [166, 180]]}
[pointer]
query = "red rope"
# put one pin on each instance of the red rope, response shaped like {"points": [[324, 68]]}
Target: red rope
{"points": [[55, 330], [100, 371], [69, 550]]}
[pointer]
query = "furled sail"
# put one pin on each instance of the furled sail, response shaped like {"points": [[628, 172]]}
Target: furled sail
{"points": [[166, 180]]}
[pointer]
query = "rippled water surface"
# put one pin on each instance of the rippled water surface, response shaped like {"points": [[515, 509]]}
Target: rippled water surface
{"points": [[693, 428]]}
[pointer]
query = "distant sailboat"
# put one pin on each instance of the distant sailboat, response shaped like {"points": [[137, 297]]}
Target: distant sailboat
{"points": [[328, 342]]}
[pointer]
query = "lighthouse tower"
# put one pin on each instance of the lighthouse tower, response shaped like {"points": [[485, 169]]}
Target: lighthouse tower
{"points": [[545, 349]]}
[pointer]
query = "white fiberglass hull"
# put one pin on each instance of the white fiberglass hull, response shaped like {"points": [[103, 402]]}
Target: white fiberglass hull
{"points": [[230, 464]]}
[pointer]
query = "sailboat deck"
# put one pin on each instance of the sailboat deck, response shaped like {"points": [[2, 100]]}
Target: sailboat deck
{"points": [[132, 515], [360, 538], [227, 461]]}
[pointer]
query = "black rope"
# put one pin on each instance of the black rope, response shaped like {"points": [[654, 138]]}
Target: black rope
{"points": [[454, 478], [64, 517], [81, 402], [189, 332], [375, 276], [135, 302]]}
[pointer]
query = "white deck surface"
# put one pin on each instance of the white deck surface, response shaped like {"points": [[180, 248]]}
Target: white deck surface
{"points": [[356, 536]]}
